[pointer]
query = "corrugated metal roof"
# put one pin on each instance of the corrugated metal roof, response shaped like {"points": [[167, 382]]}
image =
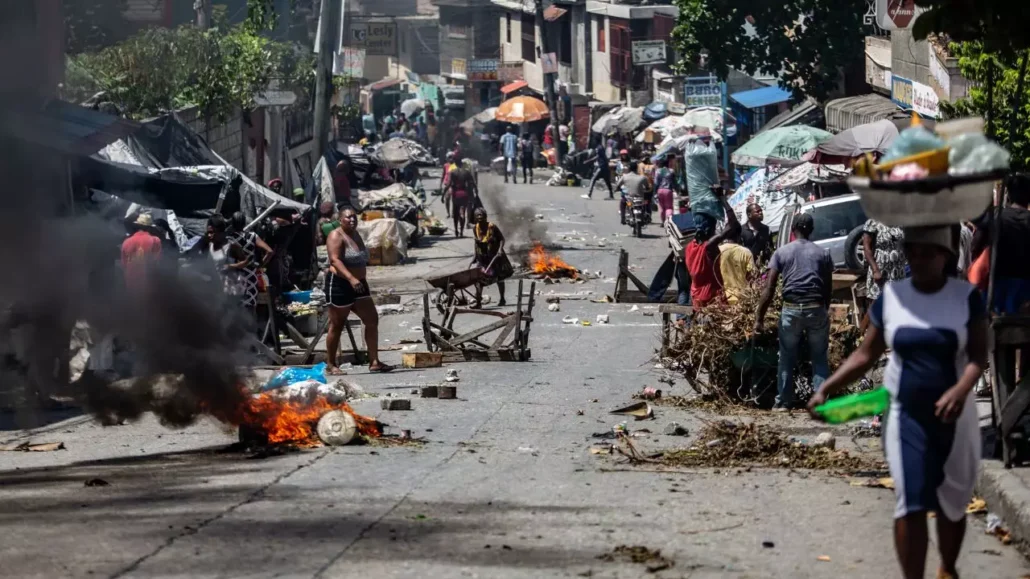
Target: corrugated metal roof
{"points": [[761, 97], [798, 114], [845, 113]]}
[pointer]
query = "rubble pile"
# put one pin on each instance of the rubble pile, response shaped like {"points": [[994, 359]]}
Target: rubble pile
{"points": [[735, 444], [719, 352]]}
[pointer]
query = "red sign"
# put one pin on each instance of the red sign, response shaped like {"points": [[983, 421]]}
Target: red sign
{"points": [[901, 12]]}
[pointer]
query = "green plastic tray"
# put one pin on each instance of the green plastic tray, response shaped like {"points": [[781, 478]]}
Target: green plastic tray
{"points": [[854, 406]]}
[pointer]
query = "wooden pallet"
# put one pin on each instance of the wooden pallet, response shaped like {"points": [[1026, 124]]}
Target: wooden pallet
{"points": [[624, 295], [510, 344]]}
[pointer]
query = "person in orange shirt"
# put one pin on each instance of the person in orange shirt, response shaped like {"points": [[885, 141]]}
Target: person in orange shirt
{"points": [[140, 252]]}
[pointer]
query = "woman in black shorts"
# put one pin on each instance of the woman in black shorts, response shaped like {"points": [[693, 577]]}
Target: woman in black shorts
{"points": [[346, 290]]}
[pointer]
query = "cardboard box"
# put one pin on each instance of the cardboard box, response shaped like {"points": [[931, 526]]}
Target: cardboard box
{"points": [[422, 359]]}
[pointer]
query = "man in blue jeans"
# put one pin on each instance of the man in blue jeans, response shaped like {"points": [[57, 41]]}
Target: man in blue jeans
{"points": [[807, 271]]}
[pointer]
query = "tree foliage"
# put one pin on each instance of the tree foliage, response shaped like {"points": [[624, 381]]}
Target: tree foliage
{"points": [[93, 24], [805, 43], [162, 69], [973, 64], [999, 26]]}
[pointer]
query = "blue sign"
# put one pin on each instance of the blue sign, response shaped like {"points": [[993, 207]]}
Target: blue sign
{"points": [[901, 92], [702, 91]]}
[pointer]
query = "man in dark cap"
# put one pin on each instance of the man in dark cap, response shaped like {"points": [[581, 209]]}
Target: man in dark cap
{"points": [[807, 271]]}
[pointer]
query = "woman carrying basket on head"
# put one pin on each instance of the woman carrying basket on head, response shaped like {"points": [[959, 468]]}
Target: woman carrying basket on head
{"points": [[490, 256]]}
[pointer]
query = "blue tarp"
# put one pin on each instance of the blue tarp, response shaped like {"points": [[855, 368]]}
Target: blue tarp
{"points": [[761, 97]]}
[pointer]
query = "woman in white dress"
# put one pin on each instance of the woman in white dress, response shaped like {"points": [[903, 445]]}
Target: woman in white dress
{"points": [[936, 329]]}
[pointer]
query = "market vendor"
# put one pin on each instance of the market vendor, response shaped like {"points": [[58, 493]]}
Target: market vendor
{"points": [[701, 254], [807, 271], [489, 255], [346, 289], [937, 330]]}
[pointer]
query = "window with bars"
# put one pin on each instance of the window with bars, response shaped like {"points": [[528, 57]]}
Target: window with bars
{"points": [[529, 37], [621, 58]]}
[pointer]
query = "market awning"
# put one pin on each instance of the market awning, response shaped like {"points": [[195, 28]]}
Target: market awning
{"points": [[552, 13], [807, 113], [383, 84], [513, 86], [761, 97], [67, 128], [845, 113]]}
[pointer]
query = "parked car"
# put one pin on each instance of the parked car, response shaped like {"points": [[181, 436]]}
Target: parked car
{"points": [[838, 227]]}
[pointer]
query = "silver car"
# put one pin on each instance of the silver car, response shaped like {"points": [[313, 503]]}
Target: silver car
{"points": [[838, 228]]}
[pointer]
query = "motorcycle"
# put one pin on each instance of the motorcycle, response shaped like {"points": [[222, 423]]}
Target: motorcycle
{"points": [[638, 214]]}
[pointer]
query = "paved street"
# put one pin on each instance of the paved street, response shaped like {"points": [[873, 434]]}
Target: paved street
{"points": [[504, 488]]}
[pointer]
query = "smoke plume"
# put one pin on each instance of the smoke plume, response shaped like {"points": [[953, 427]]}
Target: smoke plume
{"points": [[519, 224]]}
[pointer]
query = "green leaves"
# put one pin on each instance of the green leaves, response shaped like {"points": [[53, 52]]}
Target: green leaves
{"points": [[804, 42], [999, 24], [165, 69]]}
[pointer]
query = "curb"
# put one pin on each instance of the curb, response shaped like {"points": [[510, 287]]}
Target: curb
{"points": [[1007, 496]]}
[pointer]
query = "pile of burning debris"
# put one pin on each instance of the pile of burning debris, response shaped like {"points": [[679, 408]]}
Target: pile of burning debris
{"points": [[548, 266]]}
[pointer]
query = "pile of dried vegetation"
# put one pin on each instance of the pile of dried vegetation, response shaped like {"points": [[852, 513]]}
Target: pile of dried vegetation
{"points": [[722, 358]]}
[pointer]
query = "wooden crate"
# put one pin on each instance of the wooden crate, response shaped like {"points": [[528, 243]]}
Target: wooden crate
{"points": [[422, 359]]}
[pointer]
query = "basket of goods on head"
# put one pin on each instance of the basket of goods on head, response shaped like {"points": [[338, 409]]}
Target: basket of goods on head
{"points": [[932, 178]]}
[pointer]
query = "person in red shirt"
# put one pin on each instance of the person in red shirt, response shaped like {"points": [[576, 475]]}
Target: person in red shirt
{"points": [[341, 183], [701, 255], [140, 252]]}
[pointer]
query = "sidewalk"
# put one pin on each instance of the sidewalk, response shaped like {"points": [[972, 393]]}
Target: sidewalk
{"points": [[1007, 492]]}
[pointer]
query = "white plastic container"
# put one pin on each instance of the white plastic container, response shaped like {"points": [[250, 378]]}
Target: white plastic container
{"points": [[934, 201]]}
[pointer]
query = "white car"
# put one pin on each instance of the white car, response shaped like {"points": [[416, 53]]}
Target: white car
{"points": [[838, 227]]}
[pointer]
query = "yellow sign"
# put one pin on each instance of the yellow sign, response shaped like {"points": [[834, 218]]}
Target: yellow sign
{"points": [[377, 38], [458, 66]]}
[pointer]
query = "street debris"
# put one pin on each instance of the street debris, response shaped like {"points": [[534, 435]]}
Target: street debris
{"points": [[823, 558], [569, 320], [996, 527], [37, 447], [603, 300], [395, 404], [638, 410], [336, 428], [652, 559], [387, 309], [866, 428], [635, 308], [649, 393], [825, 440], [548, 265], [726, 444], [97, 482], [422, 359], [768, 544], [447, 392], [452, 375], [875, 483], [977, 506], [528, 450], [429, 392], [675, 429], [554, 307], [602, 318], [584, 322]]}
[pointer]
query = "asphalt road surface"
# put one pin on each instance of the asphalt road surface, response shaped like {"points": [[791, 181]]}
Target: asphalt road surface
{"points": [[504, 488]]}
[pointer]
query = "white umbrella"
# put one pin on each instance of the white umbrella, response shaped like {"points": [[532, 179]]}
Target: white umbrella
{"points": [[620, 120], [412, 106], [710, 117]]}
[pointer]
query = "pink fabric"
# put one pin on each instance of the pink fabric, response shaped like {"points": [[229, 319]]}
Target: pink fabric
{"points": [[665, 204]]}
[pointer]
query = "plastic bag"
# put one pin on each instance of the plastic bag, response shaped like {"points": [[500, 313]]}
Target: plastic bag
{"points": [[974, 153], [293, 375], [702, 168], [912, 141]]}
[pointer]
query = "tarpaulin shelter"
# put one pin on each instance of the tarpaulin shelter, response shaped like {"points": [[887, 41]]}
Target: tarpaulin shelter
{"points": [[875, 137]]}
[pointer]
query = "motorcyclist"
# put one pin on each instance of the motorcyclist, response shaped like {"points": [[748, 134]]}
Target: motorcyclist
{"points": [[633, 185]]}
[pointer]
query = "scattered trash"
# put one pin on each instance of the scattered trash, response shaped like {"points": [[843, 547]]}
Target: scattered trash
{"points": [[866, 428], [337, 428], [97, 482], [602, 318], [715, 442], [639, 410], [553, 307], [650, 393], [38, 447], [768, 544], [649, 314], [585, 323], [675, 429], [976, 506], [553, 300], [651, 559], [528, 450], [388, 309], [875, 483], [996, 527], [569, 320], [635, 308], [413, 391], [823, 558], [447, 392], [395, 404], [601, 449], [603, 300], [825, 440], [422, 359], [410, 340], [295, 374], [579, 413], [452, 375], [429, 392]]}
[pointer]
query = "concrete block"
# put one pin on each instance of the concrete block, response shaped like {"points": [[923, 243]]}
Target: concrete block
{"points": [[395, 404]]}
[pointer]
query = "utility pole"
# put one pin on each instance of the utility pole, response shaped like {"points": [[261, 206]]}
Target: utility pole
{"points": [[329, 18], [203, 9], [549, 81]]}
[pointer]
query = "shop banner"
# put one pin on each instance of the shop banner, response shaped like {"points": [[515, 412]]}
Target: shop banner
{"points": [[377, 38], [702, 91], [648, 52], [482, 69], [915, 96], [458, 67]]}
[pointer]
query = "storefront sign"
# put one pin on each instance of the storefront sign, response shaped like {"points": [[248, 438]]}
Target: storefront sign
{"points": [[350, 61], [648, 52], [897, 14], [702, 91], [377, 38], [509, 71], [914, 96], [453, 96], [940, 78], [458, 67], [483, 69]]}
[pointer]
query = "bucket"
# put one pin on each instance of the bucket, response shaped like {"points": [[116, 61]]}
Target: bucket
{"points": [[337, 428]]}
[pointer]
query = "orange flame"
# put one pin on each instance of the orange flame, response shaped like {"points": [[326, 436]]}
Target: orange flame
{"points": [[549, 264], [295, 421]]}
